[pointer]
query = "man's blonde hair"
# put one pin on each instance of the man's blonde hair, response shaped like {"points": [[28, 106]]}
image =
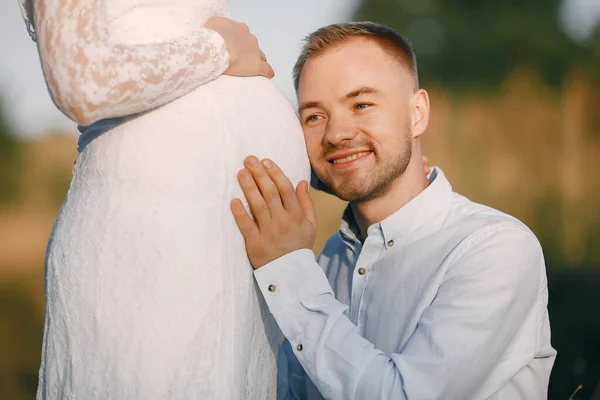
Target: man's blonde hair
{"points": [[332, 36]]}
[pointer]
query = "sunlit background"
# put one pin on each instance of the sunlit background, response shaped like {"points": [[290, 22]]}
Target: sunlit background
{"points": [[515, 89]]}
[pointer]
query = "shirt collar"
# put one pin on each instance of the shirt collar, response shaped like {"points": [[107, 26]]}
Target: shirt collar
{"points": [[348, 230], [435, 198]]}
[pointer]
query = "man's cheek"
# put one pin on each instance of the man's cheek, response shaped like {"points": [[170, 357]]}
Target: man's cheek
{"points": [[314, 152]]}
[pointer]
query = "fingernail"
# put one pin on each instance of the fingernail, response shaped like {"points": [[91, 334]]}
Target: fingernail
{"points": [[253, 161], [267, 163]]}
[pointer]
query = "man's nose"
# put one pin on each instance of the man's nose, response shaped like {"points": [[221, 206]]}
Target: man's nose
{"points": [[338, 130]]}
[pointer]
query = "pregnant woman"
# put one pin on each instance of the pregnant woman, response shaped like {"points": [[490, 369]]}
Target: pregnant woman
{"points": [[149, 293]]}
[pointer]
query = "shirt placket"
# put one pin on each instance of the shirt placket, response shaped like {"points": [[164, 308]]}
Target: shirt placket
{"points": [[369, 253]]}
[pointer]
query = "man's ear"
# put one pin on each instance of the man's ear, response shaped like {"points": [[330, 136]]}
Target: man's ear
{"points": [[420, 112]]}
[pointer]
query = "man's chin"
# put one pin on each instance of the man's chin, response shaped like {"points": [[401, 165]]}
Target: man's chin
{"points": [[347, 186], [350, 193]]}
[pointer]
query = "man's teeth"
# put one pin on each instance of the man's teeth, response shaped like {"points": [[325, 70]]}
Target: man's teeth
{"points": [[350, 158]]}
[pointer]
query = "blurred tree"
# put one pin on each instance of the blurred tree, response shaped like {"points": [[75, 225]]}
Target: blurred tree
{"points": [[20, 341], [9, 161], [476, 43]]}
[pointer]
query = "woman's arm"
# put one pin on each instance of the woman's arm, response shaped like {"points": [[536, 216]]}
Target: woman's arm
{"points": [[91, 79]]}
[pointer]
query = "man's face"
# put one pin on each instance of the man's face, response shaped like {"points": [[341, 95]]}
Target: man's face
{"points": [[355, 105]]}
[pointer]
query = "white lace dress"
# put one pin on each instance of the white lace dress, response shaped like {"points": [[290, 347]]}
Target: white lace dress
{"points": [[149, 293]]}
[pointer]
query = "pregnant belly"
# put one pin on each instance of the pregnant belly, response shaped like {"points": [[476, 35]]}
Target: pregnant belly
{"points": [[200, 140]]}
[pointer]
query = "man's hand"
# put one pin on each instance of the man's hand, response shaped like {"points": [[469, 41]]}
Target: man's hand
{"points": [[284, 218]]}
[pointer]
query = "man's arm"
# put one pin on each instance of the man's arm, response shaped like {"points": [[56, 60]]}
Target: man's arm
{"points": [[461, 339], [489, 293]]}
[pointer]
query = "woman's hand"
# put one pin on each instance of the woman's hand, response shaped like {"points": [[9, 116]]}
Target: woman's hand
{"points": [[245, 57]]}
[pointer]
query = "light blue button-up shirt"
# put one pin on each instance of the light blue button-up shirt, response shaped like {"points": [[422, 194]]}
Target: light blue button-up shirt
{"points": [[445, 299]]}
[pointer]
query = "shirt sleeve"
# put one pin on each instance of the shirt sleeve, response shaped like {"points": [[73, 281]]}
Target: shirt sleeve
{"points": [[90, 78], [490, 289], [292, 381]]}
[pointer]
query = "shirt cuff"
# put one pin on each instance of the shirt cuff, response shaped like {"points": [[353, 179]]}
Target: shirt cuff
{"points": [[291, 279]]}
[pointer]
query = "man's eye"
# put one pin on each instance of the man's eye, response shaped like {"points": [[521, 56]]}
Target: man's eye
{"points": [[312, 118], [361, 106]]}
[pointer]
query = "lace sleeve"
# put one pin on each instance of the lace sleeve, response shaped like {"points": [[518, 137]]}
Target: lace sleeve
{"points": [[91, 79], [27, 13]]}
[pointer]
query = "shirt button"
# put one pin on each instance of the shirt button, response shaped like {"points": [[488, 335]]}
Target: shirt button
{"points": [[362, 271], [272, 288], [391, 243], [299, 347]]}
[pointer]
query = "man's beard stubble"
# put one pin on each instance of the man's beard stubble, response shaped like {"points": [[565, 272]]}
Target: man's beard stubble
{"points": [[388, 168]]}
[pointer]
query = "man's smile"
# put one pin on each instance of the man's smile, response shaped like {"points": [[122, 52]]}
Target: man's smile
{"points": [[347, 158]]}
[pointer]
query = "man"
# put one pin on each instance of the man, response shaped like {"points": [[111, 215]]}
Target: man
{"points": [[422, 294]]}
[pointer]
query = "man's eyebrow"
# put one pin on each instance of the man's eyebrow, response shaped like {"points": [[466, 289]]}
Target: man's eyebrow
{"points": [[308, 104], [363, 90]]}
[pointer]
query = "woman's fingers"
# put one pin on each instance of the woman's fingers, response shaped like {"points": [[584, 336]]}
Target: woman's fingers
{"points": [[245, 56], [266, 70]]}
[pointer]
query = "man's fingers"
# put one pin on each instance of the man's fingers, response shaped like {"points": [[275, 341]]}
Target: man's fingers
{"points": [[306, 203], [283, 184], [244, 222], [257, 203], [425, 160], [265, 184], [263, 56]]}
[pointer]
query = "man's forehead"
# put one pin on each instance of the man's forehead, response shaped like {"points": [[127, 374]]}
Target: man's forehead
{"points": [[354, 61], [342, 82], [351, 52], [340, 71]]}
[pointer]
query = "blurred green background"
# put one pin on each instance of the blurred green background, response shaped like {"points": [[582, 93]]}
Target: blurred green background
{"points": [[515, 125]]}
